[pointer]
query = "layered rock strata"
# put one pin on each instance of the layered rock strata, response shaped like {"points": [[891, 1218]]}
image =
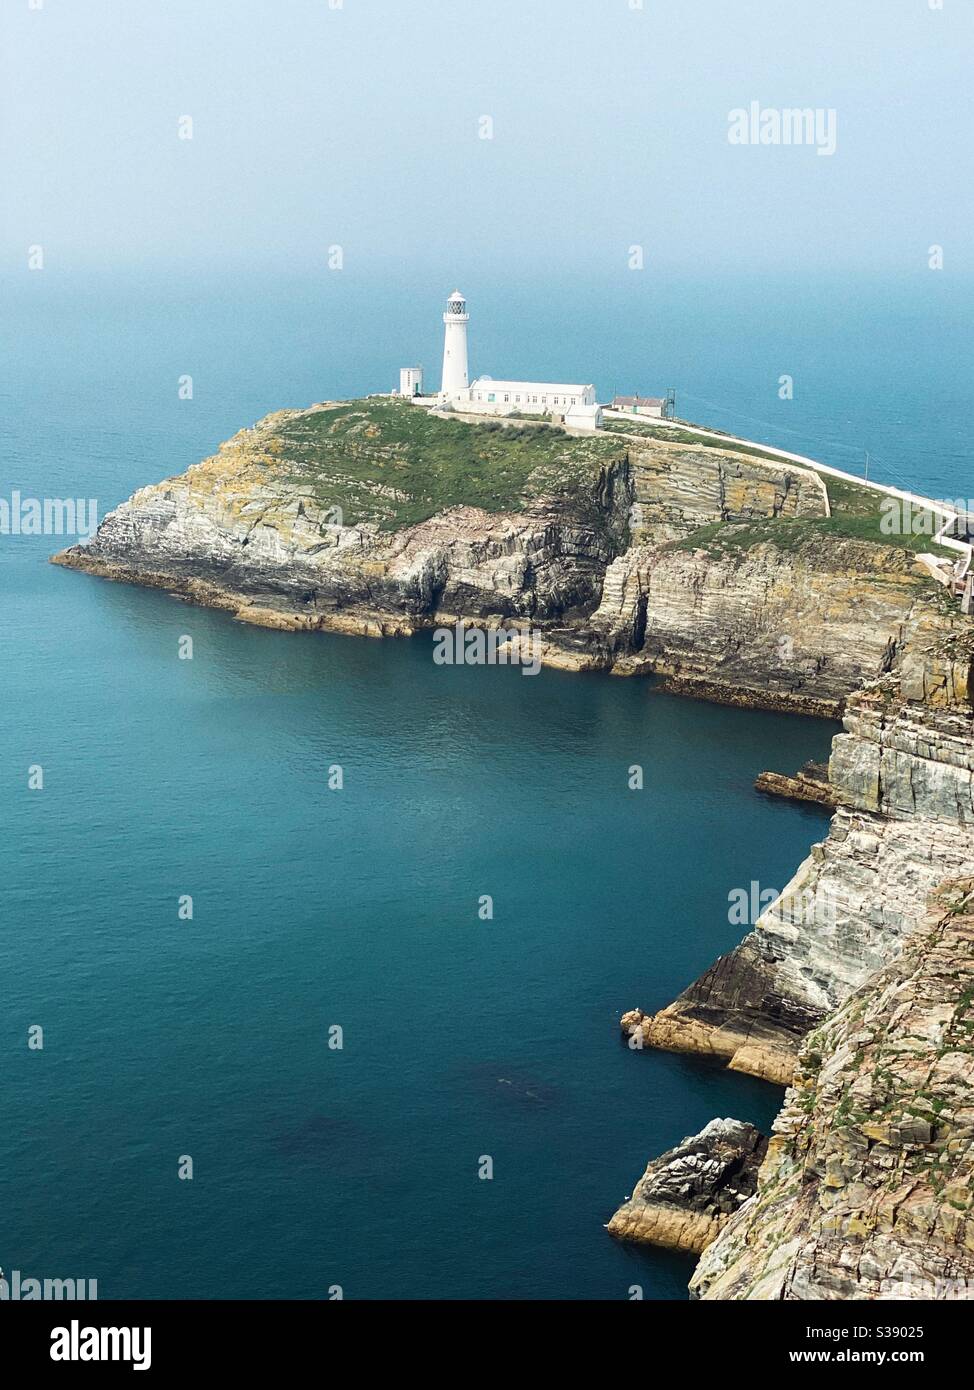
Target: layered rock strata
{"points": [[686, 1196], [302, 522], [759, 623], [903, 776], [810, 783], [647, 557], [679, 488], [867, 1190]]}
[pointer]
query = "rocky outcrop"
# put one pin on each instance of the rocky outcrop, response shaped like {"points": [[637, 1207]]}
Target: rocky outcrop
{"points": [[686, 1196], [263, 531], [679, 488], [810, 783], [760, 623], [460, 563], [356, 518], [724, 576], [903, 775], [867, 1190], [856, 990]]}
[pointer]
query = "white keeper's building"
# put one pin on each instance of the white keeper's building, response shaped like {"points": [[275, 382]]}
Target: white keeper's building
{"points": [[575, 404]]}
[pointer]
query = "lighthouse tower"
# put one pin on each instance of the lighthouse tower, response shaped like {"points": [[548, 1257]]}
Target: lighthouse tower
{"points": [[456, 319]]}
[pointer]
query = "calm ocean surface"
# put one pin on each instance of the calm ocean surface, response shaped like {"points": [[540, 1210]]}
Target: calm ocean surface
{"points": [[163, 1037]]}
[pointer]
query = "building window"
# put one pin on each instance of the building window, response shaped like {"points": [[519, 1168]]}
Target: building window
{"points": [[507, 398], [490, 398]]}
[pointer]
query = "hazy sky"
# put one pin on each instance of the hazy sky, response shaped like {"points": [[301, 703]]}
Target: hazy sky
{"points": [[360, 126]]}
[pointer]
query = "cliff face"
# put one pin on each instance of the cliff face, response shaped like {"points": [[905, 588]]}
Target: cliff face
{"points": [[360, 580], [727, 576], [903, 774], [866, 1191], [686, 1197], [375, 518], [242, 531], [679, 488], [758, 623]]}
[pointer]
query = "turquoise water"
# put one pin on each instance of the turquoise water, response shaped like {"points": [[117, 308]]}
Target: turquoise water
{"points": [[358, 908]]}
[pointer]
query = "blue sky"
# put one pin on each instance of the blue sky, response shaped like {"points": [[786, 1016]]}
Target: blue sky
{"points": [[358, 126]]}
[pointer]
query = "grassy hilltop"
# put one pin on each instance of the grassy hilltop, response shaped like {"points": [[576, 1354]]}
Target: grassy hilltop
{"points": [[393, 463], [385, 461]]}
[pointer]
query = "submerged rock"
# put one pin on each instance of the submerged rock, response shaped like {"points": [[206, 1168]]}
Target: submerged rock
{"points": [[687, 1195]]}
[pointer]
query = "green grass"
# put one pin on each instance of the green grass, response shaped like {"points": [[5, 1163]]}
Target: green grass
{"points": [[791, 533], [393, 463], [672, 434], [856, 509], [862, 507]]}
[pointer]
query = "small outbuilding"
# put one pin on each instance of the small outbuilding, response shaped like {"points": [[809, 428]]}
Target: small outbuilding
{"points": [[410, 381], [640, 405], [586, 417]]}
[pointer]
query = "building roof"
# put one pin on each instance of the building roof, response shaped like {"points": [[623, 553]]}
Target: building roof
{"points": [[486, 383], [636, 400]]}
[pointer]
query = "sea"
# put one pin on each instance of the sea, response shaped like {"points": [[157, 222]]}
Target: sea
{"points": [[334, 1072]]}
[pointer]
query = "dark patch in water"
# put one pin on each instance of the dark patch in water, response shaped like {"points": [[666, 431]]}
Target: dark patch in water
{"points": [[508, 1083], [321, 1137]]}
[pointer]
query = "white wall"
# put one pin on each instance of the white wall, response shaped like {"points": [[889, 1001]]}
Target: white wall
{"points": [[523, 397], [655, 411]]}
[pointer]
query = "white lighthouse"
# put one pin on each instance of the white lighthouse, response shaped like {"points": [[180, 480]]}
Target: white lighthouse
{"points": [[456, 318]]}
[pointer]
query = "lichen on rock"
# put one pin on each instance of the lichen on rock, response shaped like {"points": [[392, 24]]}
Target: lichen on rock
{"points": [[867, 1190]]}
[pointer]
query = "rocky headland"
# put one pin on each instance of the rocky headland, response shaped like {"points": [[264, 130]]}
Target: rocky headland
{"points": [[721, 573], [810, 783], [867, 1189], [856, 991], [902, 773], [725, 574], [685, 1198]]}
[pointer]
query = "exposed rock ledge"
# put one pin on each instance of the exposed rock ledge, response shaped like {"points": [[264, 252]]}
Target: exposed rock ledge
{"points": [[856, 989], [640, 557], [356, 517], [686, 1196], [867, 1190], [903, 775], [810, 783]]}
